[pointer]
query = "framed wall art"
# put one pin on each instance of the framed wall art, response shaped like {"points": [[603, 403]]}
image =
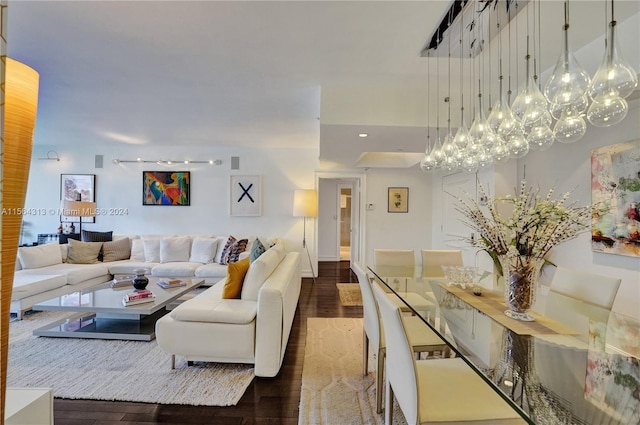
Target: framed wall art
{"points": [[166, 188], [615, 194], [74, 187], [246, 196], [398, 200]]}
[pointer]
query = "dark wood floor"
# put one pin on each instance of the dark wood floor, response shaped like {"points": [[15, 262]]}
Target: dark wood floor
{"points": [[267, 401]]}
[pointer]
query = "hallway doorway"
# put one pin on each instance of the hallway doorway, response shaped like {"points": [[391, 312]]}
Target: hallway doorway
{"points": [[345, 223]]}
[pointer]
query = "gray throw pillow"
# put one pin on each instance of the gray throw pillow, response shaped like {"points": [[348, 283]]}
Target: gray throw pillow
{"points": [[83, 252], [116, 250]]}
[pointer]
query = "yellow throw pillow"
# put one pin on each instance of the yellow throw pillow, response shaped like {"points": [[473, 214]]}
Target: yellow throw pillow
{"points": [[236, 273]]}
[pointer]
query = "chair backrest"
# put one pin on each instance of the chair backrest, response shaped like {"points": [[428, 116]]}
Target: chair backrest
{"points": [[400, 363], [579, 299], [395, 257], [369, 307], [434, 259], [589, 287]]}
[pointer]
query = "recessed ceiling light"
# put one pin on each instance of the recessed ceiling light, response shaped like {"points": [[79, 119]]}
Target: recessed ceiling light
{"points": [[363, 134]]}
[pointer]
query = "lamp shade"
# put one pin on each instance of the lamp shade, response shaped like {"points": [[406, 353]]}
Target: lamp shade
{"points": [[305, 203], [78, 208]]}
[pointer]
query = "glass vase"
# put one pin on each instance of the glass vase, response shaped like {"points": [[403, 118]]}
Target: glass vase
{"points": [[520, 284]]}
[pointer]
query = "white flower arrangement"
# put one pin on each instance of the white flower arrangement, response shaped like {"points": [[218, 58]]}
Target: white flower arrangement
{"points": [[535, 226]]}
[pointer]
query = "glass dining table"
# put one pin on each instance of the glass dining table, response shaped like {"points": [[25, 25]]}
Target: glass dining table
{"points": [[577, 363]]}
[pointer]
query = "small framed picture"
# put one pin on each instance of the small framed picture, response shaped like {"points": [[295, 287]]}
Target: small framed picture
{"points": [[246, 196], [398, 200]]}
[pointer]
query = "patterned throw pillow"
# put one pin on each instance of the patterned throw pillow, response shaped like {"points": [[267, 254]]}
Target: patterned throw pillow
{"points": [[233, 254], [256, 250], [226, 249]]}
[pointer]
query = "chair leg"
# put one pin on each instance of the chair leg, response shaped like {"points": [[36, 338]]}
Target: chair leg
{"points": [[380, 378], [365, 353], [388, 405], [173, 361]]}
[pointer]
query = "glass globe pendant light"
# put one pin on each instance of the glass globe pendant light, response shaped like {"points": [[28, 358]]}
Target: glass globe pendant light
{"points": [[428, 162], [570, 127], [567, 87], [612, 83]]}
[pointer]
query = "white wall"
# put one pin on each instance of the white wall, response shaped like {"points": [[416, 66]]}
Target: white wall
{"points": [[327, 220], [410, 230], [120, 186]]}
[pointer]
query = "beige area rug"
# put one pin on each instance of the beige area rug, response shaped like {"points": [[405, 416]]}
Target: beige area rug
{"points": [[116, 370], [350, 294], [334, 392]]}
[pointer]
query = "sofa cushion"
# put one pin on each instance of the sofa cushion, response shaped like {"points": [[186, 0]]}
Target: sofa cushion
{"points": [[151, 250], [257, 249], [175, 269], [203, 250], [258, 272], [235, 279], [137, 250], [211, 270], [75, 273], [33, 257], [216, 310], [25, 285], [90, 236], [128, 266], [176, 248], [116, 250], [83, 252]]}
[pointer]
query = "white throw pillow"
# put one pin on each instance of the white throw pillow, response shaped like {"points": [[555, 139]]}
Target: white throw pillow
{"points": [[33, 257], [175, 249], [203, 250], [137, 250], [151, 250]]}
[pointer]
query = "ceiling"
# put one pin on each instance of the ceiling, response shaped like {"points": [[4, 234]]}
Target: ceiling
{"points": [[290, 74]]}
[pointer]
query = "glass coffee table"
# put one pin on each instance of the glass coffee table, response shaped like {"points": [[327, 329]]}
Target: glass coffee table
{"points": [[101, 315]]}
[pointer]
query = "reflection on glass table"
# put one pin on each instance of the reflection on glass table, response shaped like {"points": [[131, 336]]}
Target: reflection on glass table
{"points": [[576, 364]]}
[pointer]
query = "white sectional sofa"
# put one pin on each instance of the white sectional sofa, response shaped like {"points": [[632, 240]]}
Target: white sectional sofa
{"points": [[253, 329], [44, 272]]}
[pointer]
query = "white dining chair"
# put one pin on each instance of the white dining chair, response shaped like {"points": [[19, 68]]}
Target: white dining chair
{"points": [[395, 257], [589, 287], [424, 339], [434, 259], [437, 391], [584, 298], [404, 258]]}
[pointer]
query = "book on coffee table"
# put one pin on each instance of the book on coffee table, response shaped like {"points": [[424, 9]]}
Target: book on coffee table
{"points": [[138, 297], [165, 284], [138, 301]]}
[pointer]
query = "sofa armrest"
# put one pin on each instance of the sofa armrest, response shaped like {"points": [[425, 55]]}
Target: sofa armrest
{"points": [[277, 303]]}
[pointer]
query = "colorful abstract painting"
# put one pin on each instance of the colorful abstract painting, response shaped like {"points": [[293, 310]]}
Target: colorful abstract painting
{"points": [[166, 188], [615, 192]]}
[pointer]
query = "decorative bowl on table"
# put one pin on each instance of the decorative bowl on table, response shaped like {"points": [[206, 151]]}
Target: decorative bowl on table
{"points": [[463, 276]]}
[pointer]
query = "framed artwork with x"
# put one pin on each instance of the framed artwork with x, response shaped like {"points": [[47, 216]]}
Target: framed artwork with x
{"points": [[246, 196]]}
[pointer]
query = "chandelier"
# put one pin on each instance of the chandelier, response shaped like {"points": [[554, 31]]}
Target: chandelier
{"points": [[539, 114]]}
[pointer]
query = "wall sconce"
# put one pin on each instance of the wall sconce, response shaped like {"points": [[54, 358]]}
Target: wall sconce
{"points": [[51, 156], [166, 161]]}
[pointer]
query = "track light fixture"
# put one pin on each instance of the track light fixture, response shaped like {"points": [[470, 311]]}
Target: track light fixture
{"points": [[166, 161]]}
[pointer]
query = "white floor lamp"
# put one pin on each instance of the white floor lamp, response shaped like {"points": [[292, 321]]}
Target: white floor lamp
{"points": [[305, 204]]}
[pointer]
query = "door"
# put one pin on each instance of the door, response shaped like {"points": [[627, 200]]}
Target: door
{"points": [[344, 221]]}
